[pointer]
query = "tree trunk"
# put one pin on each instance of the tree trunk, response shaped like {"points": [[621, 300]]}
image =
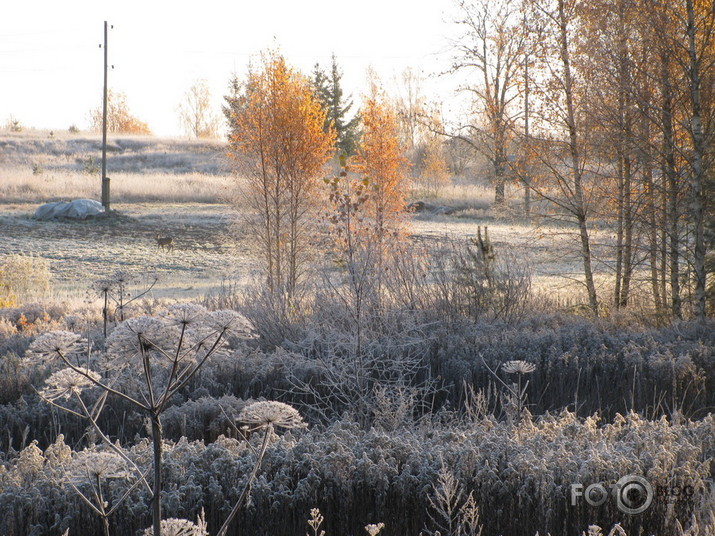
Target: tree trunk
{"points": [[579, 207], [525, 171], [671, 175], [499, 171], [664, 240], [619, 232], [697, 205], [650, 221], [628, 233]]}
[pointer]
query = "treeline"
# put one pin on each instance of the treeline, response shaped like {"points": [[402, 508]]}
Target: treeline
{"points": [[605, 111]]}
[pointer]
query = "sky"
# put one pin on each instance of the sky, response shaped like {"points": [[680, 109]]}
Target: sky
{"points": [[51, 63]]}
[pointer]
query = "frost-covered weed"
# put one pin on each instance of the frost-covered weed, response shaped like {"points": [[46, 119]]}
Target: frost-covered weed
{"points": [[519, 477], [316, 519], [271, 414], [390, 372], [50, 345], [88, 473], [451, 510], [147, 360], [204, 418], [181, 527], [373, 529], [115, 292], [265, 416], [595, 530], [67, 382], [518, 367], [23, 277]]}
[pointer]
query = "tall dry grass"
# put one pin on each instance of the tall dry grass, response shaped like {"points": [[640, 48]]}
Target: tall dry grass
{"points": [[19, 185], [458, 194]]}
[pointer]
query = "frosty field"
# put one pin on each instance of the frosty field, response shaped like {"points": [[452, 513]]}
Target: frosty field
{"points": [[420, 412], [80, 252]]}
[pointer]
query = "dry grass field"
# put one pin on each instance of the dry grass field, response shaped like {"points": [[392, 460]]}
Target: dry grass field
{"points": [[180, 188]]}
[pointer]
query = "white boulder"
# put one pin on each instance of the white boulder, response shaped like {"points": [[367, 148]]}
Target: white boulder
{"points": [[79, 209]]}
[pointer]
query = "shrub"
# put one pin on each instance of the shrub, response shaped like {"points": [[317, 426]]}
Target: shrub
{"points": [[473, 281], [13, 125], [23, 277]]}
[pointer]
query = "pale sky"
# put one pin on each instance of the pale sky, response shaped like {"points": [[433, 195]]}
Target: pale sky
{"points": [[51, 63]]}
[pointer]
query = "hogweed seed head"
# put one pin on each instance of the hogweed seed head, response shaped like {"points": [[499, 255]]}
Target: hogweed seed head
{"points": [[228, 320], [55, 343], [132, 336], [518, 367], [65, 382], [263, 414], [103, 286], [185, 314], [96, 464], [178, 527]]}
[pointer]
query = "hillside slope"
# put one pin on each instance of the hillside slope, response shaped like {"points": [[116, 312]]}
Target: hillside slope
{"points": [[129, 154]]}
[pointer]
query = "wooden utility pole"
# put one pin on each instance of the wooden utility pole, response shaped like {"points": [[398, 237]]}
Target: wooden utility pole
{"points": [[105, 179], [526, 171]]}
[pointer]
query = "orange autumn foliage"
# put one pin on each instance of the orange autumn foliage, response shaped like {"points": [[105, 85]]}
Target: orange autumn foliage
{"points": [[380, 159], [280, 146], [119, 119]]}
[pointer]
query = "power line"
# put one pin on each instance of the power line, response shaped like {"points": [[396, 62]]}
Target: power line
{"points": [[49, 49]]}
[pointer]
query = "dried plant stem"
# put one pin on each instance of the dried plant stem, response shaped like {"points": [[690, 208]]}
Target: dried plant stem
{"points": [[264, 445]]}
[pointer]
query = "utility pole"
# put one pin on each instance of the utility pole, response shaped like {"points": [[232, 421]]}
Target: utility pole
{"points": [[105, 179], [526, 170]]}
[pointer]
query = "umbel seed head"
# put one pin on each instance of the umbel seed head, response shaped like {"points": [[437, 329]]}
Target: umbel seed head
{"points": [[518, 367]]}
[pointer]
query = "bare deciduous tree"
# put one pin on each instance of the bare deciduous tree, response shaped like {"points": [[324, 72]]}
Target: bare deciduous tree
{"points": [[195, 112], [491, 48]]}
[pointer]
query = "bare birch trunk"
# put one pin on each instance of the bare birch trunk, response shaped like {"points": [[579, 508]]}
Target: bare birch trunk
{"points": [[579, 207]]}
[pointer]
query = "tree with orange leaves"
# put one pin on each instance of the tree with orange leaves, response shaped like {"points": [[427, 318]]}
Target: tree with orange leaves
{"points": [[380, 159], [119, 119], [280, 147]]}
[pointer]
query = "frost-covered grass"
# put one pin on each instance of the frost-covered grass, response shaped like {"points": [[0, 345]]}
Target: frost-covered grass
{"points": [[520, 477], [206, 251], [19, 185], [36, 167], [460, 195], [83, 152]]}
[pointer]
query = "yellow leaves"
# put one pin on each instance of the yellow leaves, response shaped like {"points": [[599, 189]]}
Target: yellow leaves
{"points": [[380, 159], [435, 172], [119, 119], [278, 118], [279, 141]]}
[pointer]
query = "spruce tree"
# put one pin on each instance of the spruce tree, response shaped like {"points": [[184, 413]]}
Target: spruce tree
{"points": [[328, 89]]}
